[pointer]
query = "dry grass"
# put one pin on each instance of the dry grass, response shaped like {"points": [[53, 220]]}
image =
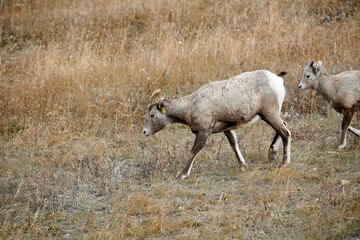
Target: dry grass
{"points": [[75, 79]]}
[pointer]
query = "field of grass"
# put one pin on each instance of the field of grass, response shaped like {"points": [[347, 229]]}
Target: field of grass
{"points": [[75, 78]]}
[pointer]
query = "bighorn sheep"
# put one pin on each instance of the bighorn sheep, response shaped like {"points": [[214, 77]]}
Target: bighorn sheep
{"points": [[223, 106], [342, 91]]}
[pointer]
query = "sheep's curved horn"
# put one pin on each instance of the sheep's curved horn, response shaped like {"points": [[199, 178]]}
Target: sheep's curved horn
{"points": [[155, 93]]}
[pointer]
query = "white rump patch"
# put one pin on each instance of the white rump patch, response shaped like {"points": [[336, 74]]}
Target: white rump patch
{"points": [[277, 84]]}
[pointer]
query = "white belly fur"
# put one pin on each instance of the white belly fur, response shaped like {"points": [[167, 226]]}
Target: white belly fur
{"points": [[251, 122]]}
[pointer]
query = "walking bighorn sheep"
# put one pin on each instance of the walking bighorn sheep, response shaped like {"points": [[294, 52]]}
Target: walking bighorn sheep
{"points": [[224, 106], [342, 91]]}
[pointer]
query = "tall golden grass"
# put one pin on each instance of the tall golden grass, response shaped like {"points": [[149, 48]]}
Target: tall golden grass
{"points": [[75, 77], [101, 59]]}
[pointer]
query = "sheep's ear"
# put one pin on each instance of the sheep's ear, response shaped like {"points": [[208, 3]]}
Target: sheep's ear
{"points": [[317, 67], [310, 63], [161, 105]]}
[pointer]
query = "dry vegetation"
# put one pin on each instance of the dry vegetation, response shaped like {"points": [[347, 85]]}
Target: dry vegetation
{"points": [[75, 79]]}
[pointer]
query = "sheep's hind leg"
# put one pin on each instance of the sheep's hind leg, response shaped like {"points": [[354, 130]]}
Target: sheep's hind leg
{"points": [[231, 136], [199, 143], [354, 131], [278, 125], [275, 145]]}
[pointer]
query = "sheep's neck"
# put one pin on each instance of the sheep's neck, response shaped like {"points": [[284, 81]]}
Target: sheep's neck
{"points": [[176, 110], [326, 86]]}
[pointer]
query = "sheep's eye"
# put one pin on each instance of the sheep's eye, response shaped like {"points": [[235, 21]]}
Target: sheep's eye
{"points": [[307, 76], [152, 115]]}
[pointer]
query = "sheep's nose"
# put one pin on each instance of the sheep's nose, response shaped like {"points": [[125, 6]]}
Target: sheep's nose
{"points": [[300, 86], [144, 132]]}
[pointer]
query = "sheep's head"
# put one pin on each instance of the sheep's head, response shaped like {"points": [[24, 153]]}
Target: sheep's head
{"points": [[156, 118], [310, 76]]}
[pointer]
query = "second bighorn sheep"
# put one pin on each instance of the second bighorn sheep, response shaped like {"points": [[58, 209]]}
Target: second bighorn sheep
{"points": [[224, 106], [342, 91]]}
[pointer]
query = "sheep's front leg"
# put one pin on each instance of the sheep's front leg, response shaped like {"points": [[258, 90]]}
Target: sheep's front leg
{"points": [[231, 136], [348, 115], [200, 142]]}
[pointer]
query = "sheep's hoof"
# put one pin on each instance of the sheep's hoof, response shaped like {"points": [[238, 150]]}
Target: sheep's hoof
{"points": [[272, 154], [341, 146], [284, 165], [182, 176], [242, 168]]}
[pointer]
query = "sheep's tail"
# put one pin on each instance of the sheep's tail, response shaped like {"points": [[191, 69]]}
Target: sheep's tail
{"points": [[282, 74]]}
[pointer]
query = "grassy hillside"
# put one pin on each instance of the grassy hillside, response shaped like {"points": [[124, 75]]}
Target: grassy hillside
{"points": [[75, 77]]}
